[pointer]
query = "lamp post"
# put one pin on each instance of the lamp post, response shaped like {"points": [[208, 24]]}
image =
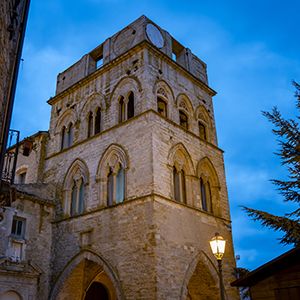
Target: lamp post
{"points": [[217, 244]]}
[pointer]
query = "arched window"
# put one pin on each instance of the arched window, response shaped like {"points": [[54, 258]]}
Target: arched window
{"points": [[202, 131], [183, 120], [81, 198], [90, 124], [161, 107], [74, 186], [63, 138], [130, 106], [176, 184], [115, 186], [70, 135], [205, 195], [74, 199], [98, 121], [205, 124], [179, 185], [77, 197], [120, 188], [111, 175], [121, 109], [110, 187]]}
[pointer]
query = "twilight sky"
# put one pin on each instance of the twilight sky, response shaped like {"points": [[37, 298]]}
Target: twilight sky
{"points": [[252, 52]]}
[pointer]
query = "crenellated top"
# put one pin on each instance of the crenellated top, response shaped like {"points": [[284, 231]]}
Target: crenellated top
{"points": [[140, 30]]}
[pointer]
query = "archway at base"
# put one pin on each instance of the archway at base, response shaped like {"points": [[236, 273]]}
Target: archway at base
{"points": [[202, 284], [201, 280], [84, 274], [97, 291]]}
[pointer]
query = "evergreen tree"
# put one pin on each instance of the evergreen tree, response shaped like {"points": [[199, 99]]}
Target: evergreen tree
{"points": [[288, 133]]}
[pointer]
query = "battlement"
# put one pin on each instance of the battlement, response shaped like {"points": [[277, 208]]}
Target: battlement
{"points": [[140, 30]]}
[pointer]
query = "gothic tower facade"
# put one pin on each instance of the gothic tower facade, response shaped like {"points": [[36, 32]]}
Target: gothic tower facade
{"points": [[137, 178]]}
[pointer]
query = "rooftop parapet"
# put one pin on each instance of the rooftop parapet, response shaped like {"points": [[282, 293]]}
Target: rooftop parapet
{"points": [[140, 30]]}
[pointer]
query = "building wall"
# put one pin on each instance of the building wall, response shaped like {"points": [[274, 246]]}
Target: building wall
{"points": [[11, 14], [281, 285], [32, 164], [32, 270]]}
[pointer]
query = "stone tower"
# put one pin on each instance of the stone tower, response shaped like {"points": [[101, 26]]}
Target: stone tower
{"points": [[139, 179]]}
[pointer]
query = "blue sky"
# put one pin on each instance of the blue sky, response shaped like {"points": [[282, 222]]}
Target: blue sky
{"points": [[252, 52]]}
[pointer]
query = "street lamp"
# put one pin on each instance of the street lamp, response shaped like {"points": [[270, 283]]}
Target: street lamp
{"points": [[217, 244]]}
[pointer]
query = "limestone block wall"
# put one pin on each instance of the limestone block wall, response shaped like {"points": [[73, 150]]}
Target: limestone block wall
{"points": [[103, 90], [182, 242], [123, 236], [126, 136], [178, 84], [166, 139], [144, 72]]}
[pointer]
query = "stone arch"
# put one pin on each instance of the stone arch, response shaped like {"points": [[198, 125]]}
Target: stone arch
{"points": [[65, 119], [11, 295], [114, 158], [185, 112], [92, 265], [124, 86], [179, 152], [123, 89], [183, 102], [77, 171], [202, 115], [208, 173], [92, 102], [164, 99], [162, 84], [181, 174], [200, 279], [205, 167]]}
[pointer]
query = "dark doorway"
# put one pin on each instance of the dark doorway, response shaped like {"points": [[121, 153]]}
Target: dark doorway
{"points": [[97, 291]]}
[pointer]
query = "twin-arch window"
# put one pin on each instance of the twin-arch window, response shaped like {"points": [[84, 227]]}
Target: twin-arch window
{"points": [[126, 107], [115, 185], [179, 185], [67, 136], [205, 191], [77, 197], [94, 122], [179, 192]]}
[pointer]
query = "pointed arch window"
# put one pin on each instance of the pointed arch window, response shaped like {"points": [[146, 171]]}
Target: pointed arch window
{"points": [[205, 195], [77, 197], [183, 119], [116, 185], [161, 107], [120, 188], [98, 120], [70, 135], [202, 131], [110, 187], [90, 124], [130, 106], [73, 199], [121, 109], [126, 107], [63, 138], [179, 185]]}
